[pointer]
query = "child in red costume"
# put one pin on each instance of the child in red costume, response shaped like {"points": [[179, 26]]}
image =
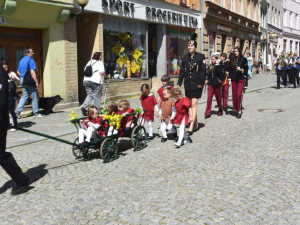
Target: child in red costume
{"points": [[126, 123], [90, 126], [165, 84], [182, 107], [149, 104]]}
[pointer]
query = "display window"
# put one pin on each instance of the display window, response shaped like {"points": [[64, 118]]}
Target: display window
{"points": [[177, 41], [124, 48]]}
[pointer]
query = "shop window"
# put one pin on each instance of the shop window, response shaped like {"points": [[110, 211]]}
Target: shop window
{"points": [[177, 40], [125, 48]]}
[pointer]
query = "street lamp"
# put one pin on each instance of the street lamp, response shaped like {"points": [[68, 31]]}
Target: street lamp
{"points": [[82, 4]]}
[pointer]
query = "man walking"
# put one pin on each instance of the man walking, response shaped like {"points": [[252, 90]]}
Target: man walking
{"points": [[27, 67], [7, 160]]}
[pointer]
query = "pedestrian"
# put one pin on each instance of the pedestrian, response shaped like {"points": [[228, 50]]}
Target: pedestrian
{"points": [[29, 83], [238, 71], [275, 64], [192, 71], [250, 65], [260, 64], [182, 106], [297, 67], [294, 76], [213, 82], [93, 82], [282, 64], [168, 112], [165, 80], [225, 83], [12, 93], [149, 104], [7, 161]]}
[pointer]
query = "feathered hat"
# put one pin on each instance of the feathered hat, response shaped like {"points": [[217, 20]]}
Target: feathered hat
{"points": [[193, 40]]}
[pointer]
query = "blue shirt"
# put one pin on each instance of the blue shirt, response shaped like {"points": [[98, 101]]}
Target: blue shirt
{"points": [[23, 65]]}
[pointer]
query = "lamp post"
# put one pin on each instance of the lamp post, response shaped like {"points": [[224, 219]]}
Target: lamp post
{"points": [[82, 4]]}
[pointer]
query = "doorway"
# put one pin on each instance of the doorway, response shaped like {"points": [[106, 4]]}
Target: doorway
{"points": [[152, 49], [13, 43]]}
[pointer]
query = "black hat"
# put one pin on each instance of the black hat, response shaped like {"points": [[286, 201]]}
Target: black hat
{"points": [[193, 40]]}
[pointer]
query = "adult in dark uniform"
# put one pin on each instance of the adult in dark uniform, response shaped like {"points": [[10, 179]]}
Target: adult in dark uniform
{"points": [[192, 71], [7, 160], [238, 71]]}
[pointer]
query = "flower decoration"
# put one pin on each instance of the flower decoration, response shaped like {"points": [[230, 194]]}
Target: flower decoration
{"points": [[121, 61], [118, 49], [114, 120], [139, 110], [124, 37], [104, 110], [72, 116], [136, 54]]}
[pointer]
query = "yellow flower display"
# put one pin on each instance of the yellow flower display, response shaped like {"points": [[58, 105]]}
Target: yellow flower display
{"points": [[121, 61], [114, 120], [117, 49], [136, 66], [136, 54], [124, 37], [72, 116]]}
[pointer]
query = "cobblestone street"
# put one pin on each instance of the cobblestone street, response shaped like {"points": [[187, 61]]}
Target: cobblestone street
{"points": [[235, 172]]}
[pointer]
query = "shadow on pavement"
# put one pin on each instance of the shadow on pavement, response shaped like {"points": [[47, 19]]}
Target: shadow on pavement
{"points": [[26, 124], [34, 174]]}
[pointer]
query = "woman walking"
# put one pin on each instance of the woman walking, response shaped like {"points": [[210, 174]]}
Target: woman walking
{"points": [[238, 71], [192, 71], [93, 82]]}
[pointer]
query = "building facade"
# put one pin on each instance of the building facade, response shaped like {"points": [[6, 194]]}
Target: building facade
{"points": [[44, 26], [231, 23], [141, 40], [291, 25], [263, 28], [275, 39]]}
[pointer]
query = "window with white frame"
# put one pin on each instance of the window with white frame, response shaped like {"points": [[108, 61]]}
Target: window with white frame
{"points": [[222, 3], [297, 22], [279, 20], [290, 20], [248, 9], [232, 5], [284, 17], [276, 19], [254, 10], [241, 7]]}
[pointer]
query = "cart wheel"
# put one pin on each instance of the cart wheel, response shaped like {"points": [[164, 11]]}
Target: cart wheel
{"points": [[109, 150], [79, 152], [139, 138]]}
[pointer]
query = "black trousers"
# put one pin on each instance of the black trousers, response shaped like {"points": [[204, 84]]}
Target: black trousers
{"points": [[292, 78], [8, 162], [297, 76], [281, 74]]}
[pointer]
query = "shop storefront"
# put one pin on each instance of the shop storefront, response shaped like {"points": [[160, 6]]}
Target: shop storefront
{"points": [[47, 35], [226, 30], [139, 39]]}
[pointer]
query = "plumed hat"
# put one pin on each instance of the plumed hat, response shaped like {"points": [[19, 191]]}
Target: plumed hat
{"points": [[193, 40]]}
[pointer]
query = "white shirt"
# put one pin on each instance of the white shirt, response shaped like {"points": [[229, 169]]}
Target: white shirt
{"points": [[98, 68]]}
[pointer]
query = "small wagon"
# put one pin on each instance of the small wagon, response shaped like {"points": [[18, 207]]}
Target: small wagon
{"points": [[108, 144]]}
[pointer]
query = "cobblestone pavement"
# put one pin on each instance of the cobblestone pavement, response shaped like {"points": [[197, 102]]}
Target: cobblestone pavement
{"points": [[236, 172]]}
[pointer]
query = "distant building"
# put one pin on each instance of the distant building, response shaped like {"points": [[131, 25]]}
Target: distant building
{"points": [[291, 25]]}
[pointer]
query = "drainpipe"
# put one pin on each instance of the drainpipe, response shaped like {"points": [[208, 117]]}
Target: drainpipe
{"points": [[267, 41], [202, 8]]}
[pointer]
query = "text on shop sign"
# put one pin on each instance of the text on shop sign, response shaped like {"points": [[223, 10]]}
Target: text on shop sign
{"points": [[118, 4], [159, 13]]}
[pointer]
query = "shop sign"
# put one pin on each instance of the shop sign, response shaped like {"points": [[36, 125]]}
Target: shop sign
{"points": [[273, 35], [253, 48], [223, 28], [2, 20], [169, 15], [119, 5]]}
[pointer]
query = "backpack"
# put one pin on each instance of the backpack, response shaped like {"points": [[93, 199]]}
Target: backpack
{"points": [[88, 72], [12, 87]]}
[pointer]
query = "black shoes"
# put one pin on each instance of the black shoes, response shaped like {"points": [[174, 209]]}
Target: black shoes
{"points": [[150, 138], [164, 140], [189, 140], [84, 144], [225, 109], [206, 117], [239, 115], [20, 188]]}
